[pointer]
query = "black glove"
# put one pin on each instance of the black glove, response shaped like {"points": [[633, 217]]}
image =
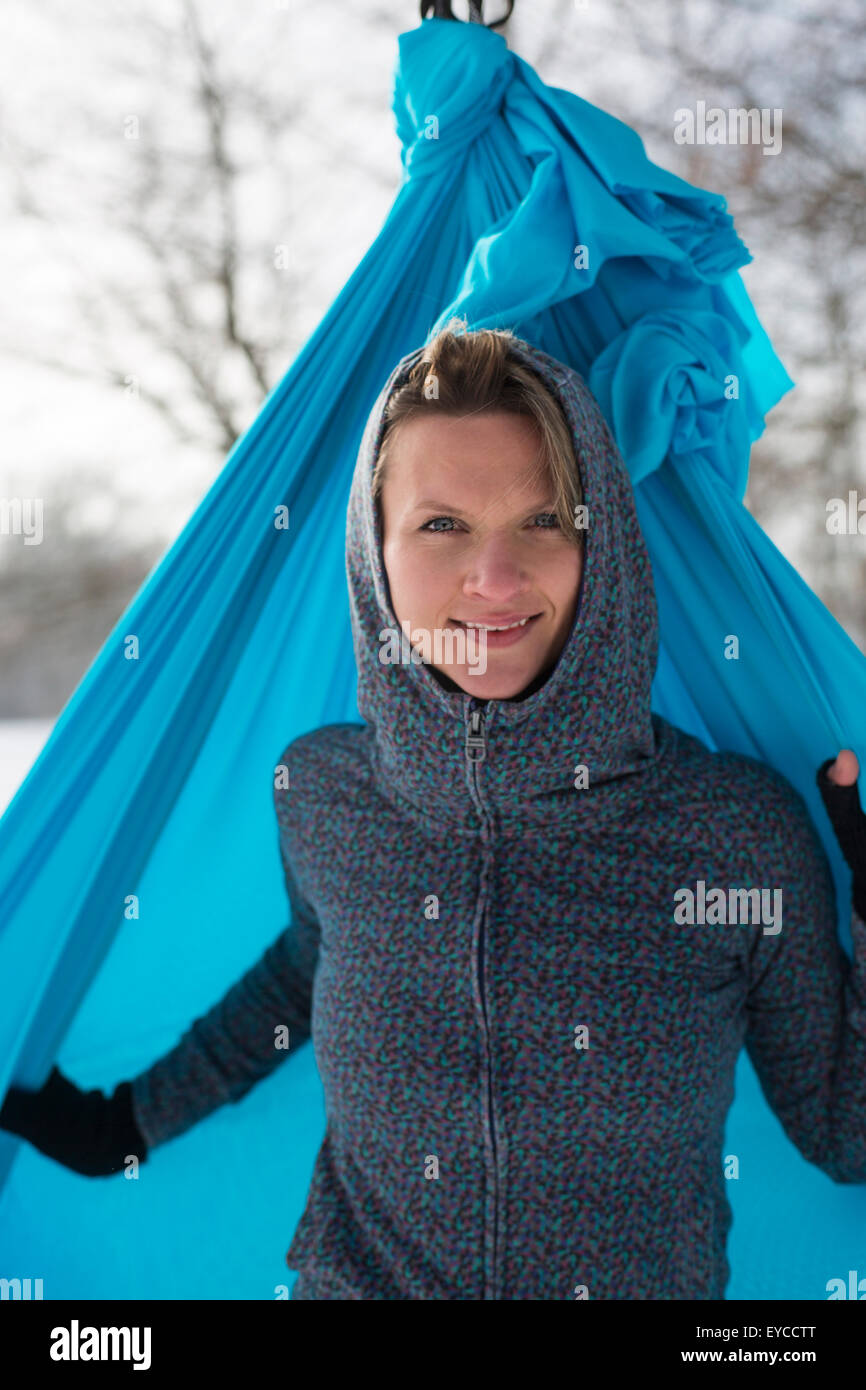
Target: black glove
{"points": [[83, 1130], [849, 825]]}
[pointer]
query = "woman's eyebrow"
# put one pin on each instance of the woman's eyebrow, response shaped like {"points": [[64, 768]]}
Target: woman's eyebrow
{"points": [[427, 503], [440, 506]]}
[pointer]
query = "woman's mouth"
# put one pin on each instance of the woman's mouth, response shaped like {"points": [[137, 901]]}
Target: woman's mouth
{"points": [[503, 632]]}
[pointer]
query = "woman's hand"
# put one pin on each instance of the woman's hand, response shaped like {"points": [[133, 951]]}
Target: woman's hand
{"points": [[837, 783], [84, 1130]]}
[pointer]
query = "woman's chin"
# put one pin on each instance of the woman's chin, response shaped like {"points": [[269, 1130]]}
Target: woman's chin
{"points": [[489, 685]]}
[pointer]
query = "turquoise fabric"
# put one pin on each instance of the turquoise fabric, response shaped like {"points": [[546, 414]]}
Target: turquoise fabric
{"points": [[139, 865]]}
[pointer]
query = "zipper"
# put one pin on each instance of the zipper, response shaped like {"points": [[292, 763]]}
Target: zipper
{"points": [[476, 752], [476, 739]]}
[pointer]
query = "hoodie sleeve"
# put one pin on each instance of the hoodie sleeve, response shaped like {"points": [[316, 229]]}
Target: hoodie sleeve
{"points": [[224, 1053], [806, 1012]]}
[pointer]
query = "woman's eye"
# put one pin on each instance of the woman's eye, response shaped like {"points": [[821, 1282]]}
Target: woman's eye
{"points": [[543, 521]]}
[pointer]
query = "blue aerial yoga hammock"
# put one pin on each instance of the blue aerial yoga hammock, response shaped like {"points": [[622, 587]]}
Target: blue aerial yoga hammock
{"points": [[139, 868]]}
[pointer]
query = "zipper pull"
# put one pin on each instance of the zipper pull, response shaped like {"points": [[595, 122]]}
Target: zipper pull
{"points": [[476, 739]]}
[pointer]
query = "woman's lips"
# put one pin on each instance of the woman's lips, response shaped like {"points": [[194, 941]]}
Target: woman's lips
{"points": [[500, 634]]}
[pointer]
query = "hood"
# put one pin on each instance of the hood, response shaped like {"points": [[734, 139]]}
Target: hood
{"points": [[594, 708]]}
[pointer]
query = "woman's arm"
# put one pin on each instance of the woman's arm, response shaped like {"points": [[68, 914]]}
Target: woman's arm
{"points": [[806, 1009], [260, 1021], [240, 1040]]}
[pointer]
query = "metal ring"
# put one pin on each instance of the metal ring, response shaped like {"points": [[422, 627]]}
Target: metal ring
{"points": [[442, 10]]}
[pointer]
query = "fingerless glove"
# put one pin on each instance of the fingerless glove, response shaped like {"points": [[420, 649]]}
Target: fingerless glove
{"points": [[849, 825], [84, 1130]]}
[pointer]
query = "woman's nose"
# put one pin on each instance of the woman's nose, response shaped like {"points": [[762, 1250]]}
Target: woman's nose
{"points": [[495, 569]]}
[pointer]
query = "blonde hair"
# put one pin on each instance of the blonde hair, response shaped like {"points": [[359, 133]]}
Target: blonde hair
{"points": [[475, 371]]}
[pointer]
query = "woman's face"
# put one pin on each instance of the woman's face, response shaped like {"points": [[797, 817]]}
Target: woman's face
{"points": [[472, 542]]}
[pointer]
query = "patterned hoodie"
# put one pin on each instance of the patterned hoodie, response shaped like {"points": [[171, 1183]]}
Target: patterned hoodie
{"points": [[527, 1049]]}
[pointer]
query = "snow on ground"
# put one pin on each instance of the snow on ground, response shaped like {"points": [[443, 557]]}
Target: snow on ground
{"points": [[21, 742]]}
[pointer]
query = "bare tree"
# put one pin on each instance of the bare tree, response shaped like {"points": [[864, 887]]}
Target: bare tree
{"points": [[60, 598], [195, 191]]}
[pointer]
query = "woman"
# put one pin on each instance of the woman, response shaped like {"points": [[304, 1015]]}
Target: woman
{"points": [[526, 1040]]}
